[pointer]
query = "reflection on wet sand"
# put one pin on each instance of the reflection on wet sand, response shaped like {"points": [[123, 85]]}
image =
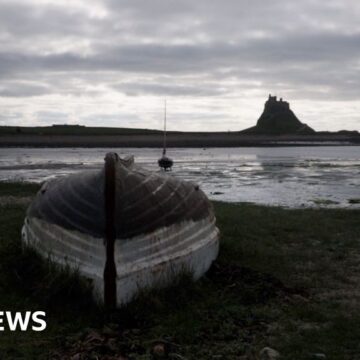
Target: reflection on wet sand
{"points": [[294, 176]]}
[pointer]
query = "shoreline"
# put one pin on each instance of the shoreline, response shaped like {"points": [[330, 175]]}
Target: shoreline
{"points": [[179, 140], [22, 192]]}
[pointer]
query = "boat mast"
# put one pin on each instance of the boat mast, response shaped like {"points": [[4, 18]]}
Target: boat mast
{"points": [[164, 146]]}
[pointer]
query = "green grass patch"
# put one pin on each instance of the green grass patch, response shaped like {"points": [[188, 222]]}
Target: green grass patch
{"points": [[287, 279], [18, 188], [30, 283], [325, 202]]}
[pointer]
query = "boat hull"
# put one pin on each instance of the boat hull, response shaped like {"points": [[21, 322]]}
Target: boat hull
{"points": [[144, 262], [123, 227]]}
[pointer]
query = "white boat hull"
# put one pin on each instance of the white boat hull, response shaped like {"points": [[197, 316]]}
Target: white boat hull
{"points": [[145, 261]]}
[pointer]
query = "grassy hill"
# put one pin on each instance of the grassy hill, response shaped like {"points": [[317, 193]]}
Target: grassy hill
{"points": [[72, 130]]}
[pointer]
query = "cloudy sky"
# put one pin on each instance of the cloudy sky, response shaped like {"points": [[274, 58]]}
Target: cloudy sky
{"points": [[112, 62]]}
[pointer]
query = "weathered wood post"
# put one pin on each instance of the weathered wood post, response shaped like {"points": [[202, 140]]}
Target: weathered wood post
{"points": [[110, 232]]}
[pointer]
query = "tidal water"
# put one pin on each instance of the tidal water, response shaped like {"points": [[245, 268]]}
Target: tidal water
{"points": [[287, 176]]}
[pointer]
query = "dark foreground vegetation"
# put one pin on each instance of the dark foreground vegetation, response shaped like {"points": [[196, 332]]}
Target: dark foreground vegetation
{"points": [[285, 279]]}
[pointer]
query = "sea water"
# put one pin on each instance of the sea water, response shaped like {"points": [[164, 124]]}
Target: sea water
{"points": [[286, 176]]}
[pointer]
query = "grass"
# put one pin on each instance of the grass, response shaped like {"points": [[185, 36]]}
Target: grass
{"points": [[323, 202], [29, 283], [18, 189], [72, 130], [288, 279]]}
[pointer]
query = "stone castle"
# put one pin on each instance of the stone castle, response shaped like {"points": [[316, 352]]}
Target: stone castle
{"points": [[273, 102], [278, 119]]}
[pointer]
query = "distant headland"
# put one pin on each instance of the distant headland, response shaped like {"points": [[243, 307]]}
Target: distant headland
{"points": [[278, 119], [277, 126]]}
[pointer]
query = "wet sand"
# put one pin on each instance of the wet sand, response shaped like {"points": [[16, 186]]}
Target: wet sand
{"points": [[286, 176]]}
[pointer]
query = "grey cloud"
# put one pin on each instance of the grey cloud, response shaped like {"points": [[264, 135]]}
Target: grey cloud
{"points": [[299, 50], [16, 89], [308, 49], [11, 118], [114, 119], [20, 19], [134, 89], [328, 60], [52, 117]]}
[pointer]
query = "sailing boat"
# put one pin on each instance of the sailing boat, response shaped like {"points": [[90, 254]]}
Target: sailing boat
{"points": [[165, 162]]}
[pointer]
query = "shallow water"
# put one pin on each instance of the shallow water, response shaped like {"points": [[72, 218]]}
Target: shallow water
{"points": [[287, 176]]}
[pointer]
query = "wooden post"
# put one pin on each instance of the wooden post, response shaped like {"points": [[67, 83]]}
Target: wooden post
{"points": [[110, 233]]}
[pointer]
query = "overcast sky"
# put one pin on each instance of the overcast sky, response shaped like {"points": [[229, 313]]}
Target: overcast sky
{"points": [[112, 62]]}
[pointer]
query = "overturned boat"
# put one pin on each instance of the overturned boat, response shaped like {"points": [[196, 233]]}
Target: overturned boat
{"points": [[125, 228]]}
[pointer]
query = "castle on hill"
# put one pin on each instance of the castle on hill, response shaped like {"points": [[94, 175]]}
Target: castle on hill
{"points": [[278, 119], [273, 102]]}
